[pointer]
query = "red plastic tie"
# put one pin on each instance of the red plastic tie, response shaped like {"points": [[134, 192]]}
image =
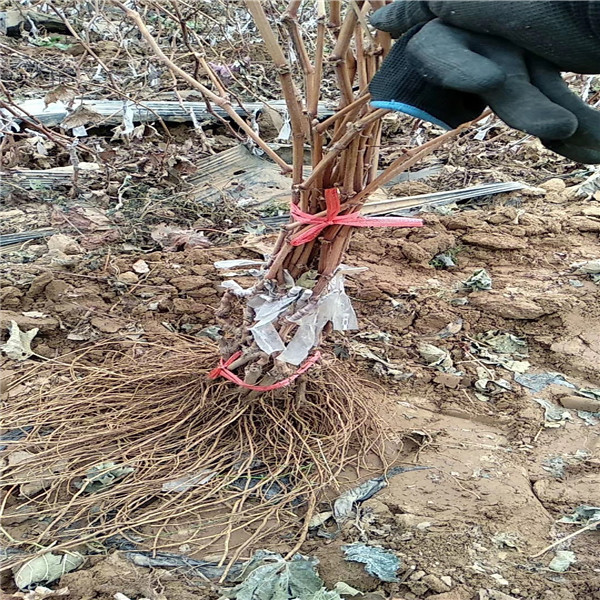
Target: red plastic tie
{"points": [[223, 371], [332, 201]]}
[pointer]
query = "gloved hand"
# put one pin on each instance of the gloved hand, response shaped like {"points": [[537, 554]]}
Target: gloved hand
{"points": [[447, 74]]}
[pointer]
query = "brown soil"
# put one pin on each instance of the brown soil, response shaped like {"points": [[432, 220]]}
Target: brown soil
{"points": [[488, 501]]}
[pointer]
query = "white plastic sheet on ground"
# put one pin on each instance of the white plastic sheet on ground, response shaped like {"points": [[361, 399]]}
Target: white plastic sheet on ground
{"points": [[237, 262]]}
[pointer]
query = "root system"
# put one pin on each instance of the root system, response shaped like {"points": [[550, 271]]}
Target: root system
{"points": [[146, 447]]}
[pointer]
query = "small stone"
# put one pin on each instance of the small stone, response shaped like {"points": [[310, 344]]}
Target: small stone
{"points": [[448, 380], [417, 575], [435, 584], [447, 580], [554, 185], [373, 596], [46, 351], [10, 296], [204, 292], [418, 587], [39, 284], [141, 267], [467, 220], [376, 507], [580, 403], [408, 521], [555, 197], [58, 259], [507, 307], [459, 301], [459, 593], [26, 322], [11, 214], [31, 488], [586, 224], [190, 282], [129, 277], [195, 256], [495, 241], [414, 253], [105, 325], [581, 489], [499, 579], [424, 525], [591, 211], [187, 306], [56, 290], [64, 243], [495, 595]]}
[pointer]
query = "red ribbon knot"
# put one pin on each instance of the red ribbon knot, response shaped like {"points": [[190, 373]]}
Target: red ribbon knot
{"points": [[223, 371], [332, 217]]}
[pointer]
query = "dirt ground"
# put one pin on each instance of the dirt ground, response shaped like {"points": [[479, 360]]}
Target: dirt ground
{"points": [[491, 498], [501, 469]]}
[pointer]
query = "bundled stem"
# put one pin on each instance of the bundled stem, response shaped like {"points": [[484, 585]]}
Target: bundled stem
{"points": [[349, 162]]}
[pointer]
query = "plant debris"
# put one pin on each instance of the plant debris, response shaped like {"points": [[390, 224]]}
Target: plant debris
{"points": [[47, 568], [267, 576], [583, 515], [382, 366], [18, 346], [506, 347], [345, 503], [437, 357], [103, 476], [41, 593], [380, 563], [174, 239], [191, 566], [539, 381], [562, 560], [480, 280], [554, 415]]}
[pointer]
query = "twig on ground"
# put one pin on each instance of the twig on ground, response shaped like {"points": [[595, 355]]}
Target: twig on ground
{"points": [[588, 527]]}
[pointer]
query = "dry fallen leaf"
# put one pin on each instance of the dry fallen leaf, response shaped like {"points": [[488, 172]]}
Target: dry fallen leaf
{"points": [[61, 93], [81, 116], [18, 346], [47, 568], [173, 239]]}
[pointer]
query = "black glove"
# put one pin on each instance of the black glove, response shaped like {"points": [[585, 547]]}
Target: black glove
{"points": [[446, 75], [565, 33]]}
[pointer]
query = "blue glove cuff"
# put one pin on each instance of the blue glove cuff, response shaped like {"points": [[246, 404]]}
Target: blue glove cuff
{"points": [[407, 109]]}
